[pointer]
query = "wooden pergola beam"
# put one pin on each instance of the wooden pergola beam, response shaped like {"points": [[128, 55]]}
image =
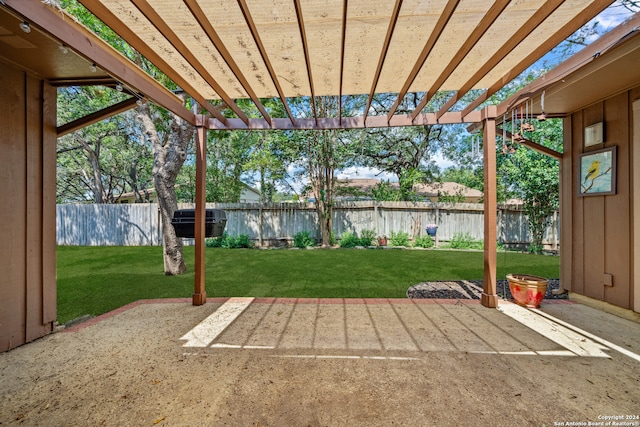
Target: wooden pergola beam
{"points": [[535, 146], [112, 21], [445, 16], [523, 32], [489, 296], [64, 28], [96, 117], [345, 7], [156, 20], [383, 55], [324, 123], [206, 26], [265, 58], [487, 20], [199, 292], [565, 31], [307, 59]]}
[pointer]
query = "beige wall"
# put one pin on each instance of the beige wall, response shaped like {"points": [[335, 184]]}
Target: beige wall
{"points": [[597, 231], [27, 211]]}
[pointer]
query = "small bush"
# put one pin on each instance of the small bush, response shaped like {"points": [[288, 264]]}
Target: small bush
{"points": [[216, 242], [423, 242], [229, 242], [367, 237], [349, 240], [465, 241], [302, 239], [399, 238]]}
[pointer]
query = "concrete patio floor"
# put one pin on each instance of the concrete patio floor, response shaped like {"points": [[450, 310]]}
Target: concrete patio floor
{"points": [[309, 362]]}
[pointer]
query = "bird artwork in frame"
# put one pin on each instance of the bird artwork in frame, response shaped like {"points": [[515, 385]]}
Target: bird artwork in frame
{"points": [[598, 172]]}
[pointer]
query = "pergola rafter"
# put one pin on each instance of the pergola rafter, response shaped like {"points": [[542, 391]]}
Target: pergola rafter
{"points": [[558, 37], [445, 16], [206, 26], [488, 19], [173, 38], [383, 55], [265, 57]]}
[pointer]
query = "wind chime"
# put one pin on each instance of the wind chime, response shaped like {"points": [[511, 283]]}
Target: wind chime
{"points": [[521, 122]]}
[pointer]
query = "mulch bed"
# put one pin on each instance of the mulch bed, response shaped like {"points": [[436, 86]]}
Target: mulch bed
{"points": [[471, 289]]}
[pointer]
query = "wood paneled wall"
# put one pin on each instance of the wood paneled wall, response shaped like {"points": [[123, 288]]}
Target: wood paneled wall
{"points": [[27, 207], [597, 231]]}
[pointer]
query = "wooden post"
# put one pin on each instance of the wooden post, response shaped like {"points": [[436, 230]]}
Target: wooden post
{"points": [[199, 293], [489, 295]]}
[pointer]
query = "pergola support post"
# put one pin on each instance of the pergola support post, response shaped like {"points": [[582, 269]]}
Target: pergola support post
{"points": [[489, 296], [199, 293]]}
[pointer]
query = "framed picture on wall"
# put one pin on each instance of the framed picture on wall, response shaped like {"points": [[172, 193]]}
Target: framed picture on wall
{"points": [[597, 173]]}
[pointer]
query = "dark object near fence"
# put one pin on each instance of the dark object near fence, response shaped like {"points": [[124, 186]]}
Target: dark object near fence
{"points": [[183, 222]]}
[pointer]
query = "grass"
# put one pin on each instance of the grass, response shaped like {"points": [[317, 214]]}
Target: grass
{"points": [[94, 280]]}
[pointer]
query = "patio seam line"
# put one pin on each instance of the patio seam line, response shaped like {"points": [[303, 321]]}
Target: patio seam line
{"points": [[273, 300]]}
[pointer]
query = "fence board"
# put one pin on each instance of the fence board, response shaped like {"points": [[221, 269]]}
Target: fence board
{"points": [[139, 224]]}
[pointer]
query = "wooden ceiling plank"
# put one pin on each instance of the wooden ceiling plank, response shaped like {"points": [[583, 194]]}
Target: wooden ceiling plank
{"points": [[156, 20], [206, 26], [265, 58], [383, 54], [112, 21], [522, 33], [345, 6], [305, 47], [558, 37], [97, 116], [445, 16], [489, 18]]}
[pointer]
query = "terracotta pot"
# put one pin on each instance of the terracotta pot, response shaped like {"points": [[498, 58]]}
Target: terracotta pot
{"points": [[527, 290], [382, 241]]}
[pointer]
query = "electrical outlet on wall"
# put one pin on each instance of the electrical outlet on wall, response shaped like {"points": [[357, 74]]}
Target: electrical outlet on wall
{"points": [[607, 279]]}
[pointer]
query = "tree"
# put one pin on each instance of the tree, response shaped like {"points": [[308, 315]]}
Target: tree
{"points": [[101, 161], [169, 146], [406, 152], [535, 178]]}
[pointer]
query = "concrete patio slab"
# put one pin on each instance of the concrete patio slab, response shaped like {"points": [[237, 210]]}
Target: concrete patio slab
{"points": [[309, 362]]}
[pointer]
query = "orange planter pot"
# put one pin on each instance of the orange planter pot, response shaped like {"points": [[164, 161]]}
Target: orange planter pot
{"points": [[527, 290]]}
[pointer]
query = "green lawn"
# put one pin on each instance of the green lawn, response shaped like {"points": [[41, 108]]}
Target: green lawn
{"points": [[94, 280]]}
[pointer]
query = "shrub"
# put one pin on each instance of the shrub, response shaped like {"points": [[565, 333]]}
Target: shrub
{"points": [[302, 239], [349, 240], [423, 242], [465, 241], [367, 237], [216, 242], [399, 238], [229, 242]]}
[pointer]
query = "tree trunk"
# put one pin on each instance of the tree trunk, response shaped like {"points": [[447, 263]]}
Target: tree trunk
{"points": [[169, 154]]}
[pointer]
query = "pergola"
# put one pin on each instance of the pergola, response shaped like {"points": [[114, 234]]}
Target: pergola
{"points": [[254, 49]]}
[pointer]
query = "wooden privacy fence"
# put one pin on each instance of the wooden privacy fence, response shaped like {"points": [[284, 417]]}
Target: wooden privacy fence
{"points": [[276, 223]]}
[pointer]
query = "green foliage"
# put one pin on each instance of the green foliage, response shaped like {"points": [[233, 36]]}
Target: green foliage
{"points": [[367, 237], [229, 242], [399, 238], [465, 241], [302, 239], [535, 178], [349, 240], [423, 242]]}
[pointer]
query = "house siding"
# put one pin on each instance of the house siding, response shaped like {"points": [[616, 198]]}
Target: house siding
{"points": [[597, 231], [27, 189]]}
